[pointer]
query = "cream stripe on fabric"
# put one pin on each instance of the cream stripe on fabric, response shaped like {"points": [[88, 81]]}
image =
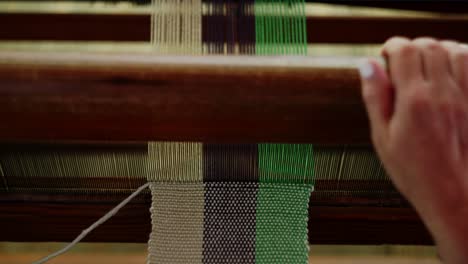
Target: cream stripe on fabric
{"points": [[175, 170], [175, 162], [177, 223], [176, 183], [176, 26]]}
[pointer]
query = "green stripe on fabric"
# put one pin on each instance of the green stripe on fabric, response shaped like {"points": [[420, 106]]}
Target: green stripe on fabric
{"points": [[286, 163], [286, 171], [280, 27], [259, 33], [281, 223]]}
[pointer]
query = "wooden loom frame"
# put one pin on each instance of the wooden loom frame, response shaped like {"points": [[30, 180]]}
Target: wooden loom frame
{"points": [[68, 97], [35, 108]]}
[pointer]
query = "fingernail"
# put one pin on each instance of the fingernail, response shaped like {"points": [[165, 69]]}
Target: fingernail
{"points": [[464, 46], [366, 70]]}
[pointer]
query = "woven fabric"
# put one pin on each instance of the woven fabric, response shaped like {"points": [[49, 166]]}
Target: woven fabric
{"points": [[230, 211], [229, 222], [177, 213], [281, 223], [255, 196]]}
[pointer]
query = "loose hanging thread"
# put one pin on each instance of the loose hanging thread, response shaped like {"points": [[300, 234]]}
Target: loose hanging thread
{"points": [[96, 224]]}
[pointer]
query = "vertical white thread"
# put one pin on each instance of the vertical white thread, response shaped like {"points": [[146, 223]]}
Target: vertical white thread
{"points": [[176, 26], [175, 162], [152, 14]]}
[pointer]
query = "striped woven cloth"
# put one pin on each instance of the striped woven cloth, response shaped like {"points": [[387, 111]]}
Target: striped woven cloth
{"points": [[262, 27], [217, 203], [243, 203]]}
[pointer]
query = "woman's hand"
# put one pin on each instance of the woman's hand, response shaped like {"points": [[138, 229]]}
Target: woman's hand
{"points": [[418, 110]]}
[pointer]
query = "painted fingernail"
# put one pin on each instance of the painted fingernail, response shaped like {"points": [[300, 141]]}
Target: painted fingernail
{"points": [[366, 70]]}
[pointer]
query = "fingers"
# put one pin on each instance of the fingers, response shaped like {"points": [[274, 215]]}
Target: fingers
{"points": [[404, 61], [435, 58], [377, 93], [428, 63], [424, 66], [458, 55]]}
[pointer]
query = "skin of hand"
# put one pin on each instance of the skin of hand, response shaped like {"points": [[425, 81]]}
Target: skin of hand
{"points": [[418, 112]]}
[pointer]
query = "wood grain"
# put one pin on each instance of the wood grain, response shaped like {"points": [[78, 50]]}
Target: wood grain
{"points": [[99, 97], [376, 30]]}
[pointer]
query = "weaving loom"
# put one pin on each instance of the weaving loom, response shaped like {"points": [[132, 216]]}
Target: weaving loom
{"points": [[226, 141]]}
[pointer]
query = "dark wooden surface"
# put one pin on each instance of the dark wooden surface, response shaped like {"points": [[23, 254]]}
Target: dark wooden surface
{"points": [[126, 27], [439, 6], [75, 27], [368, 30], [54, 218], [90, 97]]}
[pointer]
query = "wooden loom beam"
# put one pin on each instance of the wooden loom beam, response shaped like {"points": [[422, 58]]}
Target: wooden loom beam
{"points": [[97, 97], [439, 6], [136, 27]]}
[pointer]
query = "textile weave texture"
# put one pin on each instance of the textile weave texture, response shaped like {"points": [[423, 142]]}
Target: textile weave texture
{"points": [[249, 205], [229, 222], [229, 203]]}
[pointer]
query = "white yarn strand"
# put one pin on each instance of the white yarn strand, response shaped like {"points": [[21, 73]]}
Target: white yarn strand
{"points": [[85, 232]]}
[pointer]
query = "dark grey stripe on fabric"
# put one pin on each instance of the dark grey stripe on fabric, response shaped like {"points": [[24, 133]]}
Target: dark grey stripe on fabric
{"points": [[230, 162], [3, 180], [229, 26], [229, 230], [246, 27]]}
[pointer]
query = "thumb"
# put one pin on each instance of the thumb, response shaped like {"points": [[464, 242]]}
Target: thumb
{"points": [[377, 92]]}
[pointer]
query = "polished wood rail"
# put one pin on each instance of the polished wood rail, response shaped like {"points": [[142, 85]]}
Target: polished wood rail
{"points": [[439, 6], [137, 27], [105, 97]]}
